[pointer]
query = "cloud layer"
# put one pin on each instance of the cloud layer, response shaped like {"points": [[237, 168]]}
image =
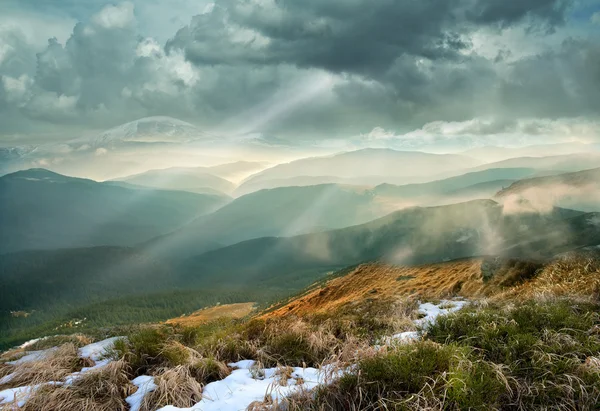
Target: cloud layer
{"points": [[306, 71]]}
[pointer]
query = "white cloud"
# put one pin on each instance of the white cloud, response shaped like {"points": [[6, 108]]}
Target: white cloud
{"points": [[120, 16], [16, 89]]}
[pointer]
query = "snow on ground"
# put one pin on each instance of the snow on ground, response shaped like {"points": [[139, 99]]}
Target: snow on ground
{"points": [[19, 396], [33, 356], [244, 386], [145, 385], [430, 313], [247, 384], [31, 342], [98, 350]]}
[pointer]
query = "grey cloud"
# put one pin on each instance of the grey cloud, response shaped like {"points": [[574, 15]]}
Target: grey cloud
{"points": [[560, 82], [358, 36], [395, 64]]}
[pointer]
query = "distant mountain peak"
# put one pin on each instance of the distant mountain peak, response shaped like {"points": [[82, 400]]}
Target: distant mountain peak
{"points": [[40, 173], [156, 129]]}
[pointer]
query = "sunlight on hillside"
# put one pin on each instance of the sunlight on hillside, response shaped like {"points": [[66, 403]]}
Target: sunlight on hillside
{"points": [[272, 205]]}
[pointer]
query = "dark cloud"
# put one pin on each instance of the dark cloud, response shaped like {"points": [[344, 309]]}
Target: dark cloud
{"points": [[307, 69], [563, 81], [358, 36]]}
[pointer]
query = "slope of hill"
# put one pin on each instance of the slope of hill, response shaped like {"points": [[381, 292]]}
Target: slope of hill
{"points": [[285, 211], [195, 180], [575, 273], [371, 335], [493, 153], [40, 209], [383, 163], [411, 236], [479, 184], [38, 279], [554, 164], [237, 171], [204, 180], [579, 190]]}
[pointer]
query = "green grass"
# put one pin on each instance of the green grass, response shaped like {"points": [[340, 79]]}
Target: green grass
{"points": [[492, 356], [539, 355]]}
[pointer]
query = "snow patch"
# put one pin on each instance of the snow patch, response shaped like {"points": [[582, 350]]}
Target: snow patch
{"points": [[431, 312], [242, 387], [145, 385], [98, 350], [33, 356], [31, 342]]}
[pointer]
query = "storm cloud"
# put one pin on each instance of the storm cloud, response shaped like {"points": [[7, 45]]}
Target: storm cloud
{"points": [[305, 71]]}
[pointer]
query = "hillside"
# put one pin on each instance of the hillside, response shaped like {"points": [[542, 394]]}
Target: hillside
{"points": [[494, 153], [378, 165], [579, 190], [554, 164], [285, 211], [495, 278], [185, 179], [40, 209], [371, 335], [411, 236], [40, 279], [470, 186]]}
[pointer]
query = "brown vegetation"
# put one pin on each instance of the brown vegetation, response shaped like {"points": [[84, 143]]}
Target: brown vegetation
{"points": [[55, 366], [100, 390], [239, 310]]}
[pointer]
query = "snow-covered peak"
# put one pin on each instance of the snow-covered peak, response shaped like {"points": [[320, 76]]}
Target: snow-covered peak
{"points": [[158, 129]]}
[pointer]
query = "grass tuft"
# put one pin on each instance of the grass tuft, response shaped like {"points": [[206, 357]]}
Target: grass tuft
{"points": [[58, 364], [176, 387], [101, 390]]}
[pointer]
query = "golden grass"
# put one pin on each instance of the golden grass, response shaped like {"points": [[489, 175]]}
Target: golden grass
{"points": [[575, 275], [59, 363], [175, 386], [205, 315], [100, 390], [5, 369], [380, 281]]}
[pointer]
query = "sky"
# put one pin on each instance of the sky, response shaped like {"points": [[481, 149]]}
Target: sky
{"points": [[313, 72]]}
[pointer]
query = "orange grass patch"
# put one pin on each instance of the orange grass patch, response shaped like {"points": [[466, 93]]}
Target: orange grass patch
{"points": [[239, 310]]}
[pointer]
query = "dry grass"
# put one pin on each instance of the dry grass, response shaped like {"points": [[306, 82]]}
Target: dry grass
{"points": [[61, 362], [205, 315], [5, 369], [207, 370], [283, 375], [380, 281], [340, 323], [101, 390], [175, 386], [78, 340], [575, 275]]}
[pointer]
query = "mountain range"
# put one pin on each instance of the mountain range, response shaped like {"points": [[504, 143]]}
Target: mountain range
{"points": [[40, 209]]}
